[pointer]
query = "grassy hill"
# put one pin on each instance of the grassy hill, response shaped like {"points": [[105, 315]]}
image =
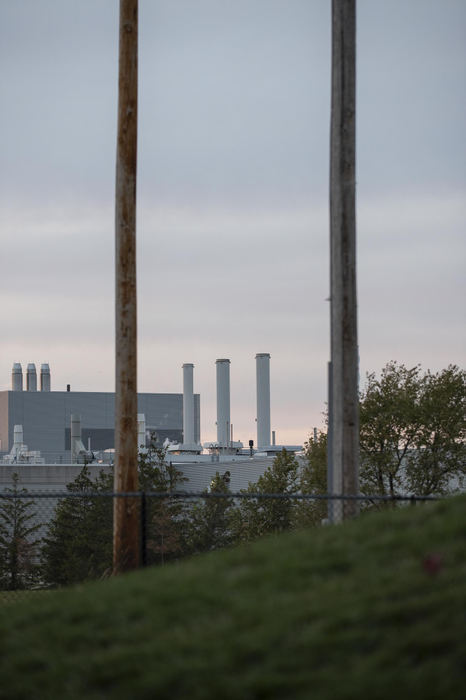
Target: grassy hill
{"points": [[371, 609]]}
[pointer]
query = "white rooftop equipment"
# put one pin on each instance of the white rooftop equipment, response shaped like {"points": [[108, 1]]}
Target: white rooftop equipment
{"points": [[17, 377], [19, 453], [141, 432], [77, 447], [17, 439]]}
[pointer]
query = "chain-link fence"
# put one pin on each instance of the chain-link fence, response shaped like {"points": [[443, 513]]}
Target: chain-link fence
{"points": [[49, 540]]}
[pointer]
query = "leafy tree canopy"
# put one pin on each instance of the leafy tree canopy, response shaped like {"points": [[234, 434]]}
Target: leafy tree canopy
{"points": [[165, 518], [412, 431], [255, 517], [210, 520], [313, 480]]}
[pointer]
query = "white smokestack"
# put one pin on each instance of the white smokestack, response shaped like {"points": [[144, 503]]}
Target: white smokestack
{"points": [[223, 402], [44, 377], [17, 377], [188, 404], [31, 377], [263, 399]]}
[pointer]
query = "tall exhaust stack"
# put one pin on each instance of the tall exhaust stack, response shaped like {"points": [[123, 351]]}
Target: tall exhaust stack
{"points": [[17, 377], [263, 399], [223, 402], [44, 377], [31, 377], [188, 404]]}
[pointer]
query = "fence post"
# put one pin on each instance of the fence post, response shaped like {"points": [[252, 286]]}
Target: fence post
{"points": [[330, 488], [143, 529]]}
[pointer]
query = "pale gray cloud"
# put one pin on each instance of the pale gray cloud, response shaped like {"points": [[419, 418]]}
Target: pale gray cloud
{"points": [[233, 193]]}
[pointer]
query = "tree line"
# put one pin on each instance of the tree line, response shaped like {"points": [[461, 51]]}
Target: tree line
{"points": [[76, 543], [412, 441]]}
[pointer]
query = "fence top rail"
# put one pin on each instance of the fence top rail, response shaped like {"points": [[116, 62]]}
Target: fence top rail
{"points": [[216, 494]]}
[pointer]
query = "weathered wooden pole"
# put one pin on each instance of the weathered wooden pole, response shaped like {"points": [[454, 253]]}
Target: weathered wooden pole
{"points": [[126, 550], [344, 340]]}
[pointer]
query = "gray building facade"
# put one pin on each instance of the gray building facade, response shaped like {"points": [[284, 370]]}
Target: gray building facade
{"points": [[46, 419], [199, 473]]}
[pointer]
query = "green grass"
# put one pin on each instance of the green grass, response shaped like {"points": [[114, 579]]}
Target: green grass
{"points": [[345, 612]]}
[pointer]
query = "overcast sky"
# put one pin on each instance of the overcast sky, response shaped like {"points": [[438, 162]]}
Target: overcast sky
{"points": [[234, 115]]}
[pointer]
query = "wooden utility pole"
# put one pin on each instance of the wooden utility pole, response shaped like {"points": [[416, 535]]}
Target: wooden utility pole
{"points": [[344, 340], [126, 550]]}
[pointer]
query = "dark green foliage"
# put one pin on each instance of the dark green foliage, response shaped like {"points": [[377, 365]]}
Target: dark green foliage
{"points": [[412, 435], [255, 517], [78, 544], [353, 611], [439, 464], [313, 480], [18, 542], [165, 522], [209, 524], [412, 441]]}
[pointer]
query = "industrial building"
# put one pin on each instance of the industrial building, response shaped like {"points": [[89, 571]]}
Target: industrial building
{"points": [[45, 416], [64, 428], [198, 472]]}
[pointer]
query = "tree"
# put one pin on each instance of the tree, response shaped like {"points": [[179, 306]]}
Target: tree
{"points": [[313, 480], [78, 543], [255, 517], [412, 436], [438, 465], [165, 517], [210, 524], [18, 541]]}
